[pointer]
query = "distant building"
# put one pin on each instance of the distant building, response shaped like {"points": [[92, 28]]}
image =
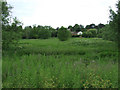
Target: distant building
{"points": [[75, 33], [80, 33]]}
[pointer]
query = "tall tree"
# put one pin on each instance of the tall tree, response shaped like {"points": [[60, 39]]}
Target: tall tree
{"points": [[101, 25], [112, 30], [6, 11], [70, 27], [81, 27], [87, 27], [91, 26], [63, 34], [76, 28], [9, 36]]}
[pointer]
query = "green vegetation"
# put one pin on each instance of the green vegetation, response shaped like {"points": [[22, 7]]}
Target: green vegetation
{"points": [[90, 33], [50, 63], [63, 34], [45, 34], [112, 30], [36, 57], [10, 31], [38, 32]]}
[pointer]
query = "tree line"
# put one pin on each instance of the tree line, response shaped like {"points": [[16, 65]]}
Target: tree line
{"points": [[44, 32], [13, 31]]}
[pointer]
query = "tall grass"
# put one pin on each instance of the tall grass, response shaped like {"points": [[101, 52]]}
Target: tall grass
{"points": [[77, 63]]}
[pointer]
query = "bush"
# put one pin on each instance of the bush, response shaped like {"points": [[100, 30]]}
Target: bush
{"points": [[63, 34], [93, 31], [87, 34], [90, 33], [44, 34]]}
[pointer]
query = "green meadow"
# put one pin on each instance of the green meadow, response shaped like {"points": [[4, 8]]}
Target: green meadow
{"points": [[50, 63]]}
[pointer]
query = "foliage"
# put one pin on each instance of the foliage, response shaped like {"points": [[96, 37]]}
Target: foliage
{"points": [[111, 31], [100, 26], [90, 33], [26, 32], [35, 32], [82, 28], [6, 10], [94, 32], [77, 28], [93, 26], [10, 31], [70, 27], [54, 33], [44, 34], [87, 34], [9, 38], [63, 34], [11, 35]]}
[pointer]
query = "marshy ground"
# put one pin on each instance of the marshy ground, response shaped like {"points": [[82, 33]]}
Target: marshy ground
{"points": [[50, 63]]}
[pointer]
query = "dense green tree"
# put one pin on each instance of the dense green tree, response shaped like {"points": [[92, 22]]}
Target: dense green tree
{"points": [[93, 32], [53, 32], [118, 22], [63, 34], [90, 33], [44, 34], [71, 28], [87, 34], [27, 32], [98, 27], [101, 25], [87, 27], [82, 28], [91, 26], [39, 31], [76, 28], [111, 31], [9, 34], [16, 25]]}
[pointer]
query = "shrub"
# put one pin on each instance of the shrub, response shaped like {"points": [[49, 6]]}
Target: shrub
{"points": [[90, 33], [87, 34], [44, 34], [93, 31], [63, 34]]}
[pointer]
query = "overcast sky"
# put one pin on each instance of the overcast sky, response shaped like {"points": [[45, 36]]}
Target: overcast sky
{"points": [[57, 13]]}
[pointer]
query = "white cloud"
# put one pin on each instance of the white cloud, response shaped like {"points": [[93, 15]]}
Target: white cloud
{"points": [[58, 13]]}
